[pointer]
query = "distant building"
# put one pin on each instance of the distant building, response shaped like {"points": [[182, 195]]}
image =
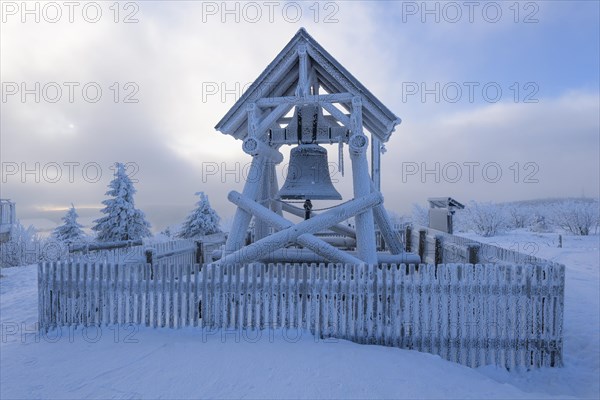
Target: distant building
{"points": [[441, 211], [8, 219]]}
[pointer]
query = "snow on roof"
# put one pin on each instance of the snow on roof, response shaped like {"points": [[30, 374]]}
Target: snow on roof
{"points": [[281, 76]]}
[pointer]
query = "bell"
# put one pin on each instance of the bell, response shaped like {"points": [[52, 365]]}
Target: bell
{"points": [[308, 175]]}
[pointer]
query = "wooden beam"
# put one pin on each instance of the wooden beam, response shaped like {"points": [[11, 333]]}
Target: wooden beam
{"points": [[237, 116], [303, 80], [242, 218], [261, 227], [298, 256], [329, 118], [274, 190], [322, 221], [385, 226], [295, 100], [255, 147], [376, 161], [314, 81], [338, 228], [337, 114], [273, 116], [281, 136], [309, 241], [284, 86], [365, 224], [252, 110]]}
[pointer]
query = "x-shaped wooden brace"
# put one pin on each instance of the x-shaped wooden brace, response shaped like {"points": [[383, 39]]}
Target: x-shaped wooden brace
{"points": [[301, 233]]}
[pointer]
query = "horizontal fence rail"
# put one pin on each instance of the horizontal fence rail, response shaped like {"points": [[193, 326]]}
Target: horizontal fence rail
{"points": [[437, 247], [174, 251], [507, 315]]}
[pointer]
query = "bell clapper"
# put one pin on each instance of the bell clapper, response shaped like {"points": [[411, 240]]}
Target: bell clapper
{"points": [[307, 208]]}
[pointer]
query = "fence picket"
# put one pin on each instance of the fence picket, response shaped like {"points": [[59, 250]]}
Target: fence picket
{"points": [[237, 299], [270, 320], [197, 268], [252, 295], [188, 294], [171, 279], [244, 299], [41, 291], [100, 294], [264, 297], [179, 277], [164, 294]]}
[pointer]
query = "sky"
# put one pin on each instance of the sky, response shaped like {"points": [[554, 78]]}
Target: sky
{"points": [[499, 101]]}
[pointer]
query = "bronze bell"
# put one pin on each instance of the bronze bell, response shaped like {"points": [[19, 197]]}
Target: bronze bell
{"points": [[308, 175]]}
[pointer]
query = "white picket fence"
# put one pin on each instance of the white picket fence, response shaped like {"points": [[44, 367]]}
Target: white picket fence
{"points": [[510, 316]]}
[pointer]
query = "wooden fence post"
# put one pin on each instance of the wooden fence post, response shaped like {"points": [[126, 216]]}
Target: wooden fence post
{"points": [[438, 254], [408, 238], [559, 241], [199, 252], [473, 253], [149, 253], [422, 239]]}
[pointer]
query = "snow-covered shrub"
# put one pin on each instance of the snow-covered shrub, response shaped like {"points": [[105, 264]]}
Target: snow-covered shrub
{"points": [[579, 217], [420, 215], [539, 222], [70, 231], [398, 221], [122, 220], [23, 248], [485, 219], [460, 221], [518, 215], [203, 220]]}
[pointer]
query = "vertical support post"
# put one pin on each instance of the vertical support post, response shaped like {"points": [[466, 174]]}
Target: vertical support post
{"points": [[274, 189], [303, 79], [376, 162], [241, 220], [261, 228], [253, 122], [365, 224]]}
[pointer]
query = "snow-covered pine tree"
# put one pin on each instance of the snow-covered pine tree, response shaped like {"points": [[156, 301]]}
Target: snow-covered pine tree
{"points": [[70, 231], [203, 220], [122, 220]]}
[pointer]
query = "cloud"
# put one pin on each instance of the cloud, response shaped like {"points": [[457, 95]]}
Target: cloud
{"points": [[177, 49], [546, 149]]}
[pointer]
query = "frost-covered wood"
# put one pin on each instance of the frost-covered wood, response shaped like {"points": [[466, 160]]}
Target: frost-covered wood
{"points": [[456, 249], [507, 315], [307, 240], [176, 251], [312, 225], [295, 79]]}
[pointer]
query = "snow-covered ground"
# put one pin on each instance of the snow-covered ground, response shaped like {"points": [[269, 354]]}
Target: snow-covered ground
{"points": [[191, 363]]}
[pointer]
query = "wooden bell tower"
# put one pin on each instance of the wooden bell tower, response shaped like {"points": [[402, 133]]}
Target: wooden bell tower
{"points": [[303, 77]]}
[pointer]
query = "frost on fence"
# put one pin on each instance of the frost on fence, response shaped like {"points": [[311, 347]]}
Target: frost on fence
{"points": [[507, 315], [472, 314]]}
